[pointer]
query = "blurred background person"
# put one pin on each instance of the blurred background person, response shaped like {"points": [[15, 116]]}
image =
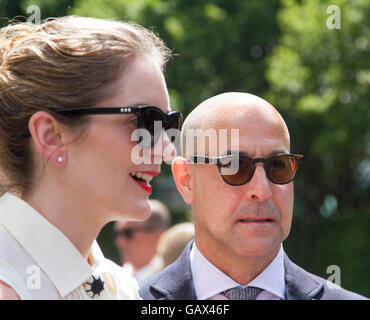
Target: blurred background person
{"points": [[137, 242], [174, 241]]}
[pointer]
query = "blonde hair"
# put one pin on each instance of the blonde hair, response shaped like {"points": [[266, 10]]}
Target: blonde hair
{"points": [[62, 63]]}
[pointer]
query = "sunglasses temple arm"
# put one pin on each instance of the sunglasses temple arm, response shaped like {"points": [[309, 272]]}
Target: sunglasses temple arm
{"points": [[202, 160]]}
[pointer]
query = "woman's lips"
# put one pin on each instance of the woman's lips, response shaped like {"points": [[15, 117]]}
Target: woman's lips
{"points": [[146, 187], [144, 183]]}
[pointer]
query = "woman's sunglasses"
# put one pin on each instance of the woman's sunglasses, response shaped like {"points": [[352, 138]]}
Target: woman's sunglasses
{"points": [[280, 168], [146, 115]]}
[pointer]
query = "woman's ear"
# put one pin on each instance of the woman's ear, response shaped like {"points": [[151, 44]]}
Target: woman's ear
{"points": [[46, 135], [183, 176]]}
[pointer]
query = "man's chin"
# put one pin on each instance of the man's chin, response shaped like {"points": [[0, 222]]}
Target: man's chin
{"points": [[258, 248]]}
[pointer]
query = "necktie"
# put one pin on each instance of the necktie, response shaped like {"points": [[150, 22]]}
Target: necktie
{"points": [[239, 293]]}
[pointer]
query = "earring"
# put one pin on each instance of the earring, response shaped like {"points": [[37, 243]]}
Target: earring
{"points": [[60, 159]]}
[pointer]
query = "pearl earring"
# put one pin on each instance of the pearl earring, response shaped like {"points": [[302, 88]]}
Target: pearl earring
{"points": [[60, 159]]}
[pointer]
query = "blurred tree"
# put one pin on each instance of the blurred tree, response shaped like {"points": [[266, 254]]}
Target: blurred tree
{"points": [[319, 79], [50, 8], [220, 45], [10, 9]]}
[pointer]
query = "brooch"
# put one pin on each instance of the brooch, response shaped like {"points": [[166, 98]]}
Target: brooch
{"points": [[94, 287]]}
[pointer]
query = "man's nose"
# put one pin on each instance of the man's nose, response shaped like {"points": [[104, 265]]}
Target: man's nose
{"points": [[259, 187]]}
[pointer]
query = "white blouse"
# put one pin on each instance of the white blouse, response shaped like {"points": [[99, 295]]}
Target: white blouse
{"points": [[39, 262]]}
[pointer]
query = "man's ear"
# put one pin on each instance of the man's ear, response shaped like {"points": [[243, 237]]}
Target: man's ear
{"points": [[183, 176], [46, 135]]}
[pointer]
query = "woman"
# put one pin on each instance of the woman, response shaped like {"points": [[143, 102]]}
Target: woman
{"points": [[72, 92]]}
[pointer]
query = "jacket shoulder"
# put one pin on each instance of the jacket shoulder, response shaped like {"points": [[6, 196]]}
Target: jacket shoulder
{"points": [[332, 291], [146, 290], [303, 285]]}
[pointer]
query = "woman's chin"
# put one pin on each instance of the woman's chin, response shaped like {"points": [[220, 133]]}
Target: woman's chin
{"points": [[139, 212]]}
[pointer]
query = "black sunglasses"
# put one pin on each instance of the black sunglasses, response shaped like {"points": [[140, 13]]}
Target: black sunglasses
{"points": [[147, 116], [128, 233], [238, 170]]}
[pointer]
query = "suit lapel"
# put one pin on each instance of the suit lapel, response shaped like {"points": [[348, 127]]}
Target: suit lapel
{"points": [[299, 283], [177, 282]]}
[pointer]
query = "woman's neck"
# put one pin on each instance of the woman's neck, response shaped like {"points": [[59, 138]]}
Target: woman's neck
{"points": [[67, 213]]}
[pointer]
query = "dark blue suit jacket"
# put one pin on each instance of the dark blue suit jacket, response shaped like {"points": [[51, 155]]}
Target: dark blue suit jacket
{"points": [[175, 283]]}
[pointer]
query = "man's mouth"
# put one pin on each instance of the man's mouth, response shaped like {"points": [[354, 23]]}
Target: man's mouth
{"points": [[256, 220]]}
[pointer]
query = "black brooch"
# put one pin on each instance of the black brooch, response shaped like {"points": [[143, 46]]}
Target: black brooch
{"points": [[95, 287]]}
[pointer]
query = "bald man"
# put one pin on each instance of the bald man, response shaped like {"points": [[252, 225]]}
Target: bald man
{"points": [[241, 195]]}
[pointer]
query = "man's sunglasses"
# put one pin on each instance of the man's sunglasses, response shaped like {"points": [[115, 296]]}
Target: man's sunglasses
{"points": [[146, 115], [280, 168], [128, 233]]}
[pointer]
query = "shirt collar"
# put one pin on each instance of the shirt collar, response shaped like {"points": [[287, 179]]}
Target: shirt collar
{"points": [[48, 246], [209, 280]]}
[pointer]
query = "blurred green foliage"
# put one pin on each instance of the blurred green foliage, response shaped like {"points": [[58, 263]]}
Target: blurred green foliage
{"points": [[317, 77]]}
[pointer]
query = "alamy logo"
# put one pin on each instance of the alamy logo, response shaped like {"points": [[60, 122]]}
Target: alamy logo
{"points": [[333, 21], [35, 14], [213, 142], [34, 278], [334, 281]]}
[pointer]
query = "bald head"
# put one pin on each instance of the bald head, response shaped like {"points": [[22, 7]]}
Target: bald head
{"points": [[228, 198], [234, 110]]}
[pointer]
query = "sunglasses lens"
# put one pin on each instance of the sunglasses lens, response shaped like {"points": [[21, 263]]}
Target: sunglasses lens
{"points": [[151, 117], [148, 118], [126, 233], [173, 126], [129, 233], [282, 168], [239, 175], [174, 121]]}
